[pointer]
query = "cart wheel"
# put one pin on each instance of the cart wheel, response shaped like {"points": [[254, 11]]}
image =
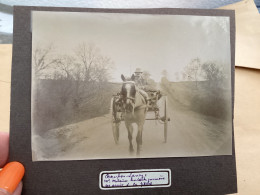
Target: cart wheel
{"points": [[165, 120], [115, 128]]}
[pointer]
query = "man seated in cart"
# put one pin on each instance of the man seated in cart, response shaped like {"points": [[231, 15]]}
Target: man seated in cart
{"points": [[140, 83], [151, 96]]}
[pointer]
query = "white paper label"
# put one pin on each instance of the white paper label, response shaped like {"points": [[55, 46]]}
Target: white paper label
{"points": [[145, 178]]}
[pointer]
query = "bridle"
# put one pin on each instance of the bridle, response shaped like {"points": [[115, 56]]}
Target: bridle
{"points": [[125, 98]]}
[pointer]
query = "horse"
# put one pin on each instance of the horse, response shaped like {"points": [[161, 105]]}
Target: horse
{"points": [[135, 108]]}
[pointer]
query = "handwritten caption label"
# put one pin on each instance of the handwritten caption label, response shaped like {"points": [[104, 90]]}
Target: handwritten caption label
{"points": [[147, 178]]}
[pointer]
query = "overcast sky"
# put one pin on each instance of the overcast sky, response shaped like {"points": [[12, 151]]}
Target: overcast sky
{"points": [[149, 42]]}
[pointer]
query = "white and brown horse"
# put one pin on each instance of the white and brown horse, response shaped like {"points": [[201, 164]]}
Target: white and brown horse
{"points": [[135, 110]]}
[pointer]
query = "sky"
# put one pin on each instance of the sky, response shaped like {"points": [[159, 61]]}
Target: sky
{"points": [[6, 22], [150, 42]]}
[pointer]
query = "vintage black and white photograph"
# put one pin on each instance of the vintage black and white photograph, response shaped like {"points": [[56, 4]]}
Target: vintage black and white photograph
{"points": [[124, 85]]}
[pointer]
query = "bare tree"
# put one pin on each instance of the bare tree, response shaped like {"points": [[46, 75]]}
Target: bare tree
{"points": [[65, 65], [91, 72], [87, 55], [193, 70], [71, 74], [42, 60], [100, 72], [95, 66], [213, 73]]}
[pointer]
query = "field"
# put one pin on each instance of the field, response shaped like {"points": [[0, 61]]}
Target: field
{"points": [[62, 102], [201, 97]]}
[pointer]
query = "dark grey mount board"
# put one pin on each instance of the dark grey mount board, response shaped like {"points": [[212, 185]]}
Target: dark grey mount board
{"points": [[190, 175]]}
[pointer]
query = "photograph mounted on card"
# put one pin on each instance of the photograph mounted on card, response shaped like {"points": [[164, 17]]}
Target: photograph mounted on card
{"points": [[113, 101], [125, 85]]}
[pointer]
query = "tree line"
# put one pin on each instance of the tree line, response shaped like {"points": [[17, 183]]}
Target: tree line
{"points": [[210, 71], [206, 90], [70, 87], [86, 63]]}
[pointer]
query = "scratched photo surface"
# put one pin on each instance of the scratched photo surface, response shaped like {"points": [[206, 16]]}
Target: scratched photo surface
{"points": [[117, 85]]}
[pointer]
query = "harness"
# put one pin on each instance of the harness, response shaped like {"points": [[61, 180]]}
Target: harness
{"points": [[133, 100]]}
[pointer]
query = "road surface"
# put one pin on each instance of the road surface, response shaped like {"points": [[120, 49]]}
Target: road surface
{"points": [[189, 134]]}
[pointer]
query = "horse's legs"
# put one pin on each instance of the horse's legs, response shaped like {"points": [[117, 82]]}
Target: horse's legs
{"points": [[130, 136], [139, 139]]}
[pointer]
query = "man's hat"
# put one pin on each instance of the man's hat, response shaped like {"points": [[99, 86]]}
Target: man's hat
{"points": [[138, 70]]}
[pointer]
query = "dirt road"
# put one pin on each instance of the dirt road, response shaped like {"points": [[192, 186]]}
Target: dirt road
{"points": [[189, 134]]}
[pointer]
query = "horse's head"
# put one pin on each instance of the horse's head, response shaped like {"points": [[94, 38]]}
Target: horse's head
{"points": [[128, 92]]}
